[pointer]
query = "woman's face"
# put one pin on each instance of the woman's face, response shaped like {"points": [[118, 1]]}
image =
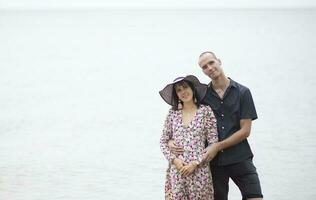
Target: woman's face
{"points": [[184, 91]]}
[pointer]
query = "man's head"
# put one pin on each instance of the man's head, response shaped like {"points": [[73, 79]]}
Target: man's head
{"points": [[210, 65]]}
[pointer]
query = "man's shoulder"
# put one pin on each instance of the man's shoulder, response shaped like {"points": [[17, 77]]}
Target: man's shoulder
{"points": [[242, 88]]}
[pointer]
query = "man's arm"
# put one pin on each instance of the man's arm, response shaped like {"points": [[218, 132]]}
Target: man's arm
{"points": [[176, 150], [238, 136], [235, 138]]}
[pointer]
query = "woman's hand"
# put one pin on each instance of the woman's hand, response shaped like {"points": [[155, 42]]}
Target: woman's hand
{"points": [[188, 169], [179, 163]]}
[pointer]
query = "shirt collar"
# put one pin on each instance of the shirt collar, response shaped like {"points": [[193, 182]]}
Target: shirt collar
{"points": [[232, 83]]}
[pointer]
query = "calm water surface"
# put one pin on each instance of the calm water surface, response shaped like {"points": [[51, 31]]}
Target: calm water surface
{"points": [[81, 116]]}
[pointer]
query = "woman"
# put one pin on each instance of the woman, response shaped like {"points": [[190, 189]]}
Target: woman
{"points": [[190, 125]]}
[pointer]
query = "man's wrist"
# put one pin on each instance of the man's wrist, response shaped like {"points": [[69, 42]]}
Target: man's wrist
{"points": [[170, 143], [219, 146]]}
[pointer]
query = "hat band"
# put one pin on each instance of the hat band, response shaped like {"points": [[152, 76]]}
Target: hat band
{"points": [[178, 79]]}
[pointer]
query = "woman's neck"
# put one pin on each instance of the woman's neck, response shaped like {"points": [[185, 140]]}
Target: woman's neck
{"points": [[189, 106]]}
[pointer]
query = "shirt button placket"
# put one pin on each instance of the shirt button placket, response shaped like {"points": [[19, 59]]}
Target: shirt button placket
{"points": [[222, 115]]}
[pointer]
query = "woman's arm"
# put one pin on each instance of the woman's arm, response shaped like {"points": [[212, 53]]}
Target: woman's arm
{"points": [[166, 136], [211, 136]]}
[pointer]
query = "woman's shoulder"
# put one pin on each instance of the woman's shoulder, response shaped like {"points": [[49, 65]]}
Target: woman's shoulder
{"points": [[172, 112], [205, 107]]}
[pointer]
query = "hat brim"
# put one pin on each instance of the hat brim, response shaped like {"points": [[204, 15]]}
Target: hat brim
{"points": [[200, 88]]}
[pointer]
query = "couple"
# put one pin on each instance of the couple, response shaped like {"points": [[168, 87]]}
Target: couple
{"points": [[208, 123]]}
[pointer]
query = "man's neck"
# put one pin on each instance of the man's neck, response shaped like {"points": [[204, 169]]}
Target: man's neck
{"points": [[221, 82]]}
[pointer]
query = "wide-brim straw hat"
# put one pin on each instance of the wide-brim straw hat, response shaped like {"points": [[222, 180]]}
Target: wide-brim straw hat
{"points": [[200, 89]]}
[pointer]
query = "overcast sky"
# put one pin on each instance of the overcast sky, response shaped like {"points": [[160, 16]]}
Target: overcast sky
{"points": [[104, 4]]}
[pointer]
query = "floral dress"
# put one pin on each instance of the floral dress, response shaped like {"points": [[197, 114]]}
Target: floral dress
{"points": [[198, 185]]}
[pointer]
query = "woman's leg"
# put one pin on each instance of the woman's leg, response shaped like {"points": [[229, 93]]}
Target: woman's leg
{"points": [[200, 186], [178, 185]]}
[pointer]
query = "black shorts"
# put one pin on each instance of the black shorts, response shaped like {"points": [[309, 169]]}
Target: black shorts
{"points": [[245, 176]]}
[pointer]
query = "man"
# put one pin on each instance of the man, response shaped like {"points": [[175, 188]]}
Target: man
{"points": [[234, 110]]}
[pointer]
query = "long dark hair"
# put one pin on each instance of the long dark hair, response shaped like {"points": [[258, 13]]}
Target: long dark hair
{"points": [[175, 98]]}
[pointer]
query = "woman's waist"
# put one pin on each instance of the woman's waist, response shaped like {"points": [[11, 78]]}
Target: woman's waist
{"points": [[190, 155], [189, 147]]}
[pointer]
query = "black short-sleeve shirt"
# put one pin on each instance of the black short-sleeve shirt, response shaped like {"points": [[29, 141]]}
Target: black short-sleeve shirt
{"points": [[237, 104]]}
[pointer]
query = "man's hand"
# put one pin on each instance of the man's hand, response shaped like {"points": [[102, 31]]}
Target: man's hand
{"points": [[179, 163], [188, 169], [174, 148], [210, 152]]}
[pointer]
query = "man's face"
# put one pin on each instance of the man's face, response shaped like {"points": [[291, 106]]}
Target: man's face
{"points": [[210, 65]]}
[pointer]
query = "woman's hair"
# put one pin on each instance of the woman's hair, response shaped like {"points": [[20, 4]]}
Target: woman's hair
{"points": [[175, 97]]}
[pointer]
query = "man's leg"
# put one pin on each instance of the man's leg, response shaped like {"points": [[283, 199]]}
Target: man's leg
{"points": [[245, 176], [220, 182]]}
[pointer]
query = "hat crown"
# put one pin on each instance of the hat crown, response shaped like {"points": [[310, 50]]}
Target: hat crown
{"points": [[167, 93]]}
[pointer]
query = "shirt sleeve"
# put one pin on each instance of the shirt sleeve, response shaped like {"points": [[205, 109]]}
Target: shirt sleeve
{"points": [[166, 136], [210, 126], [210, 129], [248, 110]]}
